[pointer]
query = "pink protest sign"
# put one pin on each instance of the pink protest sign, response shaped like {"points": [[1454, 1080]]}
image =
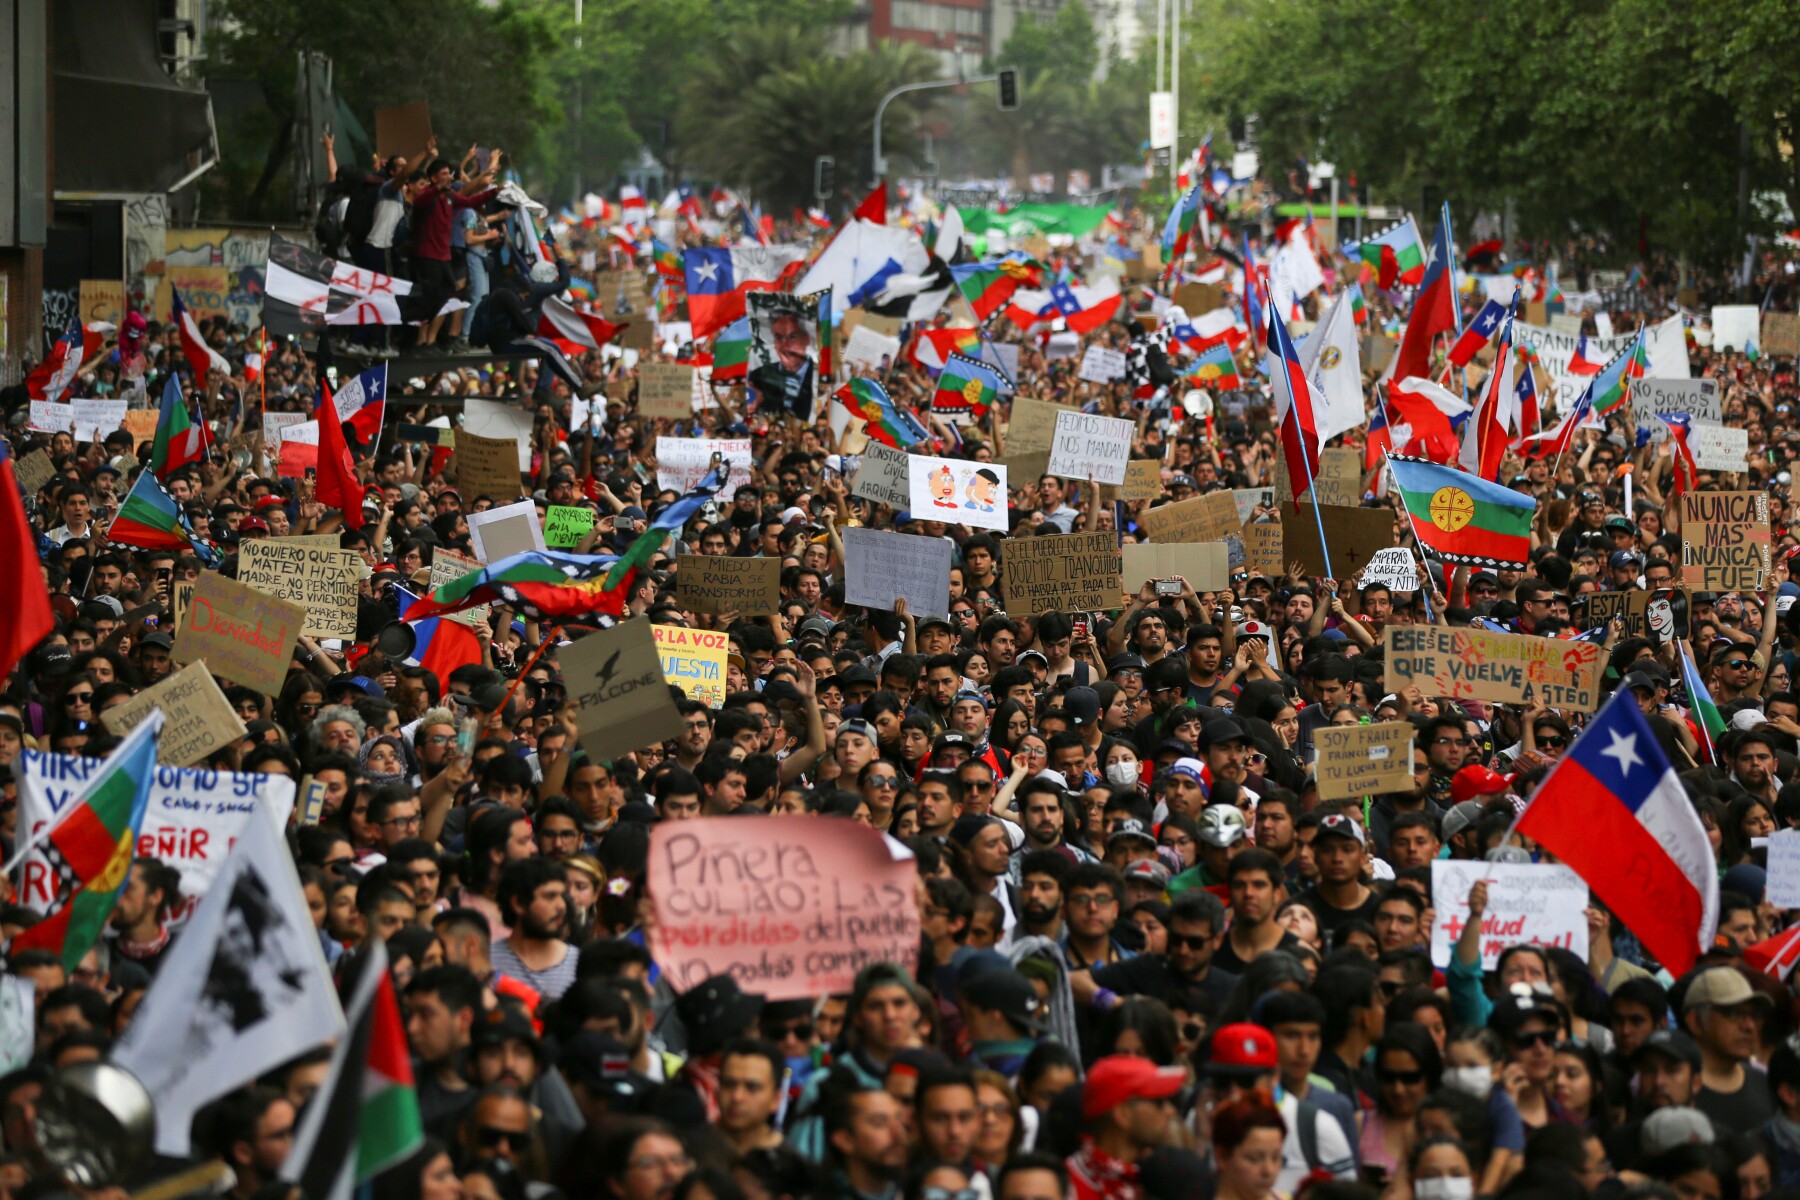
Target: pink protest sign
{"points": [[792, 907]]}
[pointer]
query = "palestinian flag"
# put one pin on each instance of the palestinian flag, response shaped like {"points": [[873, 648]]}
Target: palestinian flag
{"points": [[366, 1117], [91, 847], [1397, 255], [966, 386], [886, 422], [1215, 368], [731, 351], [1462, 518], [179, 442], [988, 285], [1612, 386], [149, 518], [1358, 308]]}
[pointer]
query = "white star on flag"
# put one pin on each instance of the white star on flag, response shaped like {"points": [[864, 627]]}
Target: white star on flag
{"points": [[1624, 750], [707, 270]]}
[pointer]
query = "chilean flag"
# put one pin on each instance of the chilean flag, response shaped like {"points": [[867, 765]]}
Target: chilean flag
{"points": [[1497, 413], [54, 375], [362, 403], [1085, 309], [1615, 812], [1777, 955], [201, 357], [1216, 328], [1479, 333], [440, 645], [1293, 408], [631, 201], [1687, 474], [718, 279], [1584, 361], [575, 331], [1530, 415], [1434, 308]]}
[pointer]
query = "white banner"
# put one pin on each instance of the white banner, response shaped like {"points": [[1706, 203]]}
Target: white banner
{"points": [[681, 463], [1528, 904]]}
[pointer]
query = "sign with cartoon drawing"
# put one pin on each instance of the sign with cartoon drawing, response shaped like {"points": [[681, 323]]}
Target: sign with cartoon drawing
{"points": [[958, 492]]}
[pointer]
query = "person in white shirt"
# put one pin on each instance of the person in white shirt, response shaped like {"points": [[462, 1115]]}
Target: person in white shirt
{"points": [[1244, 1061]]}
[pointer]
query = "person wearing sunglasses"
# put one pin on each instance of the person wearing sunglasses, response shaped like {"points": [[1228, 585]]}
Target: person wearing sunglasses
{"points": [[499, 1125], [1530, 1023], [1407, 1069]]}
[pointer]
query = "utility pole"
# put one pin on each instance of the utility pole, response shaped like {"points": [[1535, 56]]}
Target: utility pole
{"points": [[1175, 86]]}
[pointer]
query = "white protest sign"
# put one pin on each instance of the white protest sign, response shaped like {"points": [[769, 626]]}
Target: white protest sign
{"points": [[869, 346], [1719, 447], [46, 417], [193, 817], [1100, 365], [18, 1021], [1393, 567], [957, 492], [1698, 398], [681, 463], [1090, 447], [1666, 347], [484, 418], [1603, 323], [275, 427], [1007, 355], [1062, 345], [1528, 903], [1735, 326], [503, 532], [882, 477], [94, 419], [1783, 887], [880, 568]]}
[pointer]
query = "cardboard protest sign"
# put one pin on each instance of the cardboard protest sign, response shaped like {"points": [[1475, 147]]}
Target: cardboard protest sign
{"points": [[198, 717], [1071, 572], [447, 566], [1262, 549], [1208, 518], [566, 524], [1143, 481], [1780, 334], [1364, 760], [102, 300], [1207, 568], [1719, 447], [883, 477], [666, 390], [322, 582], [34, 470], [486, 466], [880, 568], [1251, 499], [957, 492], [694, 661], [1698, 398], [503, 532], [191, 821], [1338, 482], [1507, 668], [1725, 540], [790, 909], [1394, 567], [1353, 536], [247, 636], [1661, 615], [140, 423], [1100, 365], [681, 463], [1198, 299], [1090, 447], [616, 678], [1528, 904], [402, 129], [748, 586]]}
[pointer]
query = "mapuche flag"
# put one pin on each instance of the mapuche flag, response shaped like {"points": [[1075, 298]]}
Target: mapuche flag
{"points": [[90, 848], [966, 386], [178, 442], [1461, 518], [149, 518], [883, 420], [989, 284]]}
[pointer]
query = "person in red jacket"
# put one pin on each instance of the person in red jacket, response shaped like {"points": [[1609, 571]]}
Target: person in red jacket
{"points": [[433, 214]]}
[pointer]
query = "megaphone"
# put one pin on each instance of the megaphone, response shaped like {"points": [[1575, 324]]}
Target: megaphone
{"points": [[396, 641]]}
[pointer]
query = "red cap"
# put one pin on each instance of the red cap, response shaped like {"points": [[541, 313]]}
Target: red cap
{"points": [[1121, 1077], [252, 525], [1474, 781], [1243, 1047], [270, 502]]}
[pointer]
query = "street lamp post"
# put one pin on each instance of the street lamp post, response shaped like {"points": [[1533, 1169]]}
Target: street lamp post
{"points": [[877, 164]]}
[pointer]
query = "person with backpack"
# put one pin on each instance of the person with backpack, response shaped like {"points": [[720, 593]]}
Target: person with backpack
{"points": [[1244, 1064]]}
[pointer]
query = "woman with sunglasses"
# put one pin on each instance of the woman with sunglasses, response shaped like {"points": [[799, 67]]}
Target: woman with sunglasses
{"points": [[302, 696], [1407, 1069], [1530, 1024]]}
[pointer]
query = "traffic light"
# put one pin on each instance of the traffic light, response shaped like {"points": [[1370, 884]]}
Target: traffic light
{"points": [[1009, 88], [824, 176]]}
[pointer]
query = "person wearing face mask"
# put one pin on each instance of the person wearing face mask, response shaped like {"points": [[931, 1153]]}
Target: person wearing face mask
{"points": [[1122, 767], [1471, 1055], [1439, 1168]]}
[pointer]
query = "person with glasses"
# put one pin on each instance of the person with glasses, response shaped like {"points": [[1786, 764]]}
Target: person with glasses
{"points": [[1407, 1069], [396, 815], [1530, 1023], [1445, 741], [499, 1125], [253, 1132]]}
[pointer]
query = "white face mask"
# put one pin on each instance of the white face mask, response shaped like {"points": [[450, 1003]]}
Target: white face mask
{"points": [[1445, 1187], [1470, 1081], [1122, 774]]}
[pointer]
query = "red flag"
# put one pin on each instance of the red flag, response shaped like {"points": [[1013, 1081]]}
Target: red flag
{"points": [[1433, 310], [337, 486], [27, 597], [874, 206]]}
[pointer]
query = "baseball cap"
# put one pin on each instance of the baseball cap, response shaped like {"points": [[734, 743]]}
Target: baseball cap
{"points": [[815, 625], [1671, 1043], [1242, 1049], [1146, 871], [1222, 729], [1461, 816], [161, 640], [856, 725], [1130, 828], [1253, 629], [951, 737], [1475, 780], [1009, 993], [1338, 825], [1121, 1077], [1622, 558], [1124, 662], [1721, 987], [1639, 679], [1677, 1125], [252, 525], [1082, 704]]}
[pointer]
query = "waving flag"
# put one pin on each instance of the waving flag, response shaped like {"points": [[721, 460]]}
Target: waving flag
{"points": [[178, 442], [52, 377], [1086, 309], [934, 348], [362, 404], [631, 203], [1584, 361], [1293, 409], [1530, 415], [1359, 307], [1462, 518], [1426, 418], [1485, 439], [1612, 386], [1028, 307], [440, 645], [719, 278], [1701, 704], [1777, 955], [966, 386], [1434, 308], [1215, 368], [148, 517], [1217, 328], [1615, 812], [731, 351], [874, 206], [24, 589], [335, 483], [575, 329], [1179, 228], [200, 356], [883, 420], [1397, 256], [90, 848], [989, 284], [1687, 474], [1479, 333]]}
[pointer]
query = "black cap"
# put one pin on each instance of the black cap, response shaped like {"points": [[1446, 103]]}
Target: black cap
{"points": [[1222, 729], [1010, 994], [714, 1011], [1671, 1043]]}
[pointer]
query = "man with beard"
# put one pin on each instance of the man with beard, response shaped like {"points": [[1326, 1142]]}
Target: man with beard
{"points": [[533, 898], [1042, 874], [866, 1134], [1258, 887], [1041, 802]]}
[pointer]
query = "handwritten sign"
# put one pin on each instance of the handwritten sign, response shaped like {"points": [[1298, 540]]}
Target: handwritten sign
{"points": [[566, 524], [882, 477], [870, 348], [1528, 904], [1394, 568], [1262, 548], [790, 909], [1143, 481], [694, 661], [1352, 535], [198, 717], [1251, 499], [1100, 365], [1208, 518], [1725, 540], [1206, 567], [486, 466], [1780, 334], [247, 636], [1717, 447], [45, 416], [616, 678], [1698, 398], [94, 419], [34, 470], [1072, 572], [1090, 447], [1507, 668], [1364, 760], [880, 568], [447, 566], [681, 463], [750, 586], [321, 581], [1339, 480], [1784, 869], [666, 390]]}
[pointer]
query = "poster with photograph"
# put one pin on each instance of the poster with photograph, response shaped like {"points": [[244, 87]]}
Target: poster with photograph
{"points": [[958, 492], [784, 350]]}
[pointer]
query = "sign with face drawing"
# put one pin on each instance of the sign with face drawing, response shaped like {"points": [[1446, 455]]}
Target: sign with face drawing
{"points": [[958, 492]]}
